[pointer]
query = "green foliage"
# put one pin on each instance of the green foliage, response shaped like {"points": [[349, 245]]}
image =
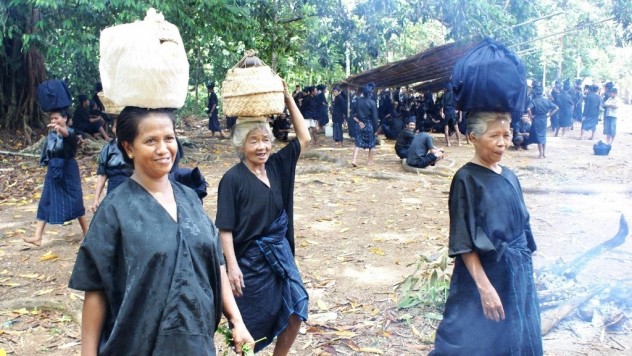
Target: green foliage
{"points": [[429, 284], [305, 41]]}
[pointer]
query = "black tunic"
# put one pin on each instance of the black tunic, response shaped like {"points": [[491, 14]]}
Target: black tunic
{"points": [[488, 215], [161, 277], [247, 207]]}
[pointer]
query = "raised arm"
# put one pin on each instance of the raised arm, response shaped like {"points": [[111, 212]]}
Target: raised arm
{"points": [[300, 126]]}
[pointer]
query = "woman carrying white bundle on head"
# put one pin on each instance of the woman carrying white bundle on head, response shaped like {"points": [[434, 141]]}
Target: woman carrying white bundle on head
{"points": [[151, 264]]}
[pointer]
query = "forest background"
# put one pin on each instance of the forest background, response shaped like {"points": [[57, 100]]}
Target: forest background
{"points": [[305, 41]]}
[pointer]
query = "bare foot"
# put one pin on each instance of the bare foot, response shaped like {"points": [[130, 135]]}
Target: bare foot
{"points": [[33, 240], [369, 163], [354, 165]]}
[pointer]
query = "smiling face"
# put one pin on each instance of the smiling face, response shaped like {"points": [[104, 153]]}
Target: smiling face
{"points": [[491, 145], [154, 148], [256, 148]]}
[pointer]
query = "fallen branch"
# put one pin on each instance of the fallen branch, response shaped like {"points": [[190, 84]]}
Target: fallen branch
{"points": [[551, 318], [22, 154]]}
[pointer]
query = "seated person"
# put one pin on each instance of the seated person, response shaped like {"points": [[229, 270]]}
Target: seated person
{"points": [[281, 127], [85, 122], [405, 138], [521, 132], [422, 153], [392, 126]]}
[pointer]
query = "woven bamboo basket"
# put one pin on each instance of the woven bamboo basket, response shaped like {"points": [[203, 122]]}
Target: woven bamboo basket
{"points": [[252, 89], [110, 107]]}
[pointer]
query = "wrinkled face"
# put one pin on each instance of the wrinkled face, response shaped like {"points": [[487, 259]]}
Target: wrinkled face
{"points": [[57, 119], [491, 145], [257, 147], [154, 149]]}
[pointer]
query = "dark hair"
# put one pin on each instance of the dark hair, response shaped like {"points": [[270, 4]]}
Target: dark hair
{"points": [[62, 111], [128, 121]]}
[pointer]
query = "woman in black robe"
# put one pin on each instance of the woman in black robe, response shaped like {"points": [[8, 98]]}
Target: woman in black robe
{"points": [[151, 264], [539, 109], [211, 109], [365, 116], [492, 307], [111, 168], [62, 197], [255, 218]]}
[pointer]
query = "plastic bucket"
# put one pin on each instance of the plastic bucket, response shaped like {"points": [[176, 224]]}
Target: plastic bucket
{"points": [[329, 131]]}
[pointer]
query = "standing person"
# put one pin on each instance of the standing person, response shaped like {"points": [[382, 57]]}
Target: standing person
{"points": [[111, 168], [540, 109], [322, 105], [578, 99], [449, 115], [554, 97], [62, 197], [151, 265], [492, 307], [310, 112], [365, 116], [256, 222], [610, 123], [565, 104], [339, 114], [422, 153], [592, 106], [211, 107]]}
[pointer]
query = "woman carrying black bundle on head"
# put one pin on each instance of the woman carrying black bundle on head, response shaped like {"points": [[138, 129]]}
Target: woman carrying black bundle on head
{"points": [[62, 197], [492, 307]]}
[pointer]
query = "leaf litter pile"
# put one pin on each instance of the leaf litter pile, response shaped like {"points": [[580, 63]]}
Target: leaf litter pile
{"points": [[371, 243]]}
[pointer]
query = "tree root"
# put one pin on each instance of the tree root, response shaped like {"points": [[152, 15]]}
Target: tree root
{"points": [[443, 170]]}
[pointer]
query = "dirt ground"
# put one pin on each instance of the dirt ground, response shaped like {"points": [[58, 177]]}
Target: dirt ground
{"points": [[359, 232]]}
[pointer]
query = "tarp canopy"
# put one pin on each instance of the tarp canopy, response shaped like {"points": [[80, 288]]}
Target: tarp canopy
{"points": [[427, 70]]}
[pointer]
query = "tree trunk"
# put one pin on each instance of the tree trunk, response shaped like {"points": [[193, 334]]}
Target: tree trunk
{"points": [[20, 76]]}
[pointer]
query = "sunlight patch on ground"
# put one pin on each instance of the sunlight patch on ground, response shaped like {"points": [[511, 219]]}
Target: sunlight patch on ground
{"points": [[373, 275]]}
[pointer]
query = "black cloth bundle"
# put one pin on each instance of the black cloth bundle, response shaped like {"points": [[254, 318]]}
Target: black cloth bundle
{"points": [[53, 94], [490, 77]]}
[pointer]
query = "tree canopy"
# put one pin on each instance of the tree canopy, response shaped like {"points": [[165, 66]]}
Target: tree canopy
{"points": [[305, 41]]}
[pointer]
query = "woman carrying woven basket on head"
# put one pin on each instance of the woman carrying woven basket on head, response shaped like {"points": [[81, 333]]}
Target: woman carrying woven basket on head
{"points": [[255, 218]]}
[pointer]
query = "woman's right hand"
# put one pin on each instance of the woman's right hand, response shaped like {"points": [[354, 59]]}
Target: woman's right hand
{"points": [[235, 278], [492, 306], [95, 205]]}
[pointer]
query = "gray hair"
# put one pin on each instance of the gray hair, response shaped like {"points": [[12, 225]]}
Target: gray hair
{"points": [[477, 121], [243, 129]]}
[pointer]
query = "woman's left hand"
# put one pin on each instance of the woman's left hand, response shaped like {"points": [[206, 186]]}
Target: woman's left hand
{"points": [[241, 337]]}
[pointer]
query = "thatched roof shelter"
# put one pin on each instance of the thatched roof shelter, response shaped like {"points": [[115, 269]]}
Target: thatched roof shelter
{"points": [[426, 70]]}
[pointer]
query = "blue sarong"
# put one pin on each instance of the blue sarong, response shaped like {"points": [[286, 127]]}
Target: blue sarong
{"points": [[62, 198], [274, 287]]}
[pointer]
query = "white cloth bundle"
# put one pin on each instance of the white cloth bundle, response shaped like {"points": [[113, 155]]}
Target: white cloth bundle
{"points": [[144, 64]]}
